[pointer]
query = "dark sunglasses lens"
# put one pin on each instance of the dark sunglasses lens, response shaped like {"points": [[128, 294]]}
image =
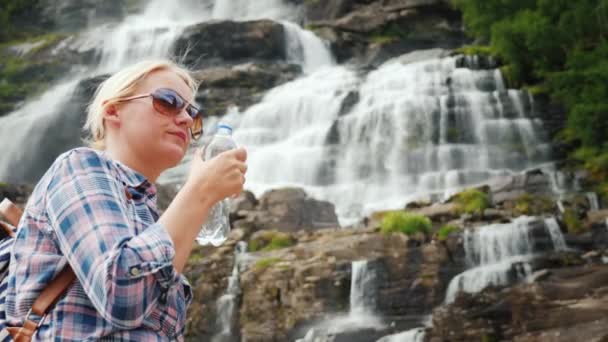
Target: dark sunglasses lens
{"points": [[167, 102]]}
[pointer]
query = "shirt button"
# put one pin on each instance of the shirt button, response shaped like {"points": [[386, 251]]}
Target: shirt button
{"points": [[135, 271]]}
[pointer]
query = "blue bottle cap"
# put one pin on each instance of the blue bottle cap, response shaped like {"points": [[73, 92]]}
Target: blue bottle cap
{"points": [[226, 126]]}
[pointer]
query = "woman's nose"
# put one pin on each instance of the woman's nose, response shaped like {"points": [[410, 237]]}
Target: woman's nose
{"points": [[183, 118]]}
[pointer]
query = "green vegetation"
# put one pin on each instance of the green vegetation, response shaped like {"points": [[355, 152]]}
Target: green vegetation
{"points": [[388, 34], [488, 338], [446, 230], [405, 222], [263, 264], [527, 204], [472, 201], [22, 76], [476, 50], [559, 48], [572, 222], [270, 241], [16, 18]]}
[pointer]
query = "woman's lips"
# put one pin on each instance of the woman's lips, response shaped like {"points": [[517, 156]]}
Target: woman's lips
{"points": [[181, 135]]}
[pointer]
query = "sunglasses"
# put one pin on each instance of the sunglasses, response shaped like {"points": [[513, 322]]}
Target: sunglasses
{"points": [[169, 102]]}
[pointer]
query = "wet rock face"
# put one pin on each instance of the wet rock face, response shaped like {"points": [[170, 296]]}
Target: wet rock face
{"points": [[285, 292], [72, 15], [370, 32], [241, 85], [568, 305], [230, 42]]}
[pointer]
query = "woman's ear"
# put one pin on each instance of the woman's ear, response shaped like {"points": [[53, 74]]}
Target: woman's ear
{"points": [[110, 113]]}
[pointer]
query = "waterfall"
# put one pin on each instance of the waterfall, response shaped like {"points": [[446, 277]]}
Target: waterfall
{"points": [[249, 10], [306, 49], [427, 127], [229, 300], [559, 244], [364, 142], [38, 123], [413, 335], [363, 293], [497, 254], [148, 34], [362, 288], [594, 203]]}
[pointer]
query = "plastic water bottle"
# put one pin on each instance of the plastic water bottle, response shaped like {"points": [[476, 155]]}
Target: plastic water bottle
{"points": [[215, 230]]}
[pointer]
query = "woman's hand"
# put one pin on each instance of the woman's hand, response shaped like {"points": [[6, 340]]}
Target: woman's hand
{"points": [[220, 177], [208, 182]]}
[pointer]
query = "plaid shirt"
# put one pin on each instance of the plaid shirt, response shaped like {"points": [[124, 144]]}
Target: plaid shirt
{"points": [[127, 288]]}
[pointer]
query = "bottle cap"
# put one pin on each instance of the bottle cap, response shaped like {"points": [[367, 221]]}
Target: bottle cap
{"points": [[224, 126]]}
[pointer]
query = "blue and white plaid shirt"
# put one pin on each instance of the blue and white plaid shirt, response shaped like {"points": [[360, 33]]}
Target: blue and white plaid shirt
{"points": [[99, 216]]}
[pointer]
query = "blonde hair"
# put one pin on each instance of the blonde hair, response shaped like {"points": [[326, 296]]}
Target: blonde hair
{"points": [[121, 85]]}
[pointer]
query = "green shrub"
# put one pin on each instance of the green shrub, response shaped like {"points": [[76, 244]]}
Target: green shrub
{"points": [[527, 204], [554, 47], [406, 223], [270, 240], [472, 201], [446, 230], [572, 222], [479, 50], [263, 264]]}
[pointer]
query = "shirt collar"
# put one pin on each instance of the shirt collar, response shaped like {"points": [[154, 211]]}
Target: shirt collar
{"points": [[130, 177]]}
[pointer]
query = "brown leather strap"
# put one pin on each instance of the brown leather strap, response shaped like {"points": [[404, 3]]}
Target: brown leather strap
{"points": [[7, 229], [51, 293], [10, 211], [24, 333]]}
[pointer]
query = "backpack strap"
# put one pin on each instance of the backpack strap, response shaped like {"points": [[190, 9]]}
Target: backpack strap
{"points": [[51, 293]]}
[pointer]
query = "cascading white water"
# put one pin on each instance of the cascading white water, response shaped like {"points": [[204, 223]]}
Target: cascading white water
{"points": [[493, 251], [144, 35], [594, 203], [30, 125], [417, 128], [306, 49], [249, 10], [414, 335], [363, 288], [559, 244], [228, 301]]}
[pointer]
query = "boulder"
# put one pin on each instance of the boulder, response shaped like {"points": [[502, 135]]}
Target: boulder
{"points": [[597, 216], [375, 31], [566, 304], [226, 42], [290, 210], [240, 85]]}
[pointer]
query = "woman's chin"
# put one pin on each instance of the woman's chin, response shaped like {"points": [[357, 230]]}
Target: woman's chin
{"points": [[173, 154]]}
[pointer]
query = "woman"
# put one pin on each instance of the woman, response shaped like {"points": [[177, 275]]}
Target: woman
{"points": [[95, 208]]}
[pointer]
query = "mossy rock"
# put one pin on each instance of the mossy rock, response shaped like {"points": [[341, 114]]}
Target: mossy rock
{"points": [[533, 205], [270, 240], [406, 223]]}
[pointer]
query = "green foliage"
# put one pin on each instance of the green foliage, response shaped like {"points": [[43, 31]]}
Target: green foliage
{"points": [[263, 264], [560, 45], [489, 338], [572, 221], [405, 222], [446, 230], [14, 16], [481, 50], [388, 34], [527, 204], [270, 241], [472, 201]]}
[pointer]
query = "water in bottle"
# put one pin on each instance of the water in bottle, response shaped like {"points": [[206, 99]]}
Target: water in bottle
{"points": [[215, 230]]}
